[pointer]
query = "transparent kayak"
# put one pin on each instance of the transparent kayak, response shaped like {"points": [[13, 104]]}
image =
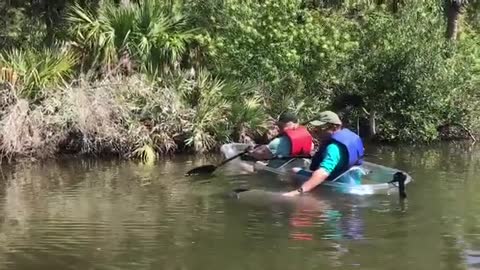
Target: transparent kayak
{"points": [[366, 179]]}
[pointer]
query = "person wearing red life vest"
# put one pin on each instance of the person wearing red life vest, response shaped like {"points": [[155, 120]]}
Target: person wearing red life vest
{"points": [[293, 140]]}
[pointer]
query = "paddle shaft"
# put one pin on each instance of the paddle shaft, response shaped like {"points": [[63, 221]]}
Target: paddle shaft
{"points": [[287, 157], [237, 155]]}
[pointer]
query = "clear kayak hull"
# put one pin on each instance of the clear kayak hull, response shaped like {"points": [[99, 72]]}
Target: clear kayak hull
{"points": [[366, 179]]}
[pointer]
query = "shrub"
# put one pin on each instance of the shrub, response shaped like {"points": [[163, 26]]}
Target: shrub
{"points": [[145, 33], [412, 70], [39, 69], [290, 51]]}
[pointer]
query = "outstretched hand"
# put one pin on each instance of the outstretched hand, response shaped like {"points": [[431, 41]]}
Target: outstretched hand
{"points": [[291, 193]]}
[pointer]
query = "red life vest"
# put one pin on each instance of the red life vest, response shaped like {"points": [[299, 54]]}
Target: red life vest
{"points": [[300, 140]]}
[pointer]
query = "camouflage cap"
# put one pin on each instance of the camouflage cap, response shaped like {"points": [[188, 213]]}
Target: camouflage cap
{"points": [[325, 118]]}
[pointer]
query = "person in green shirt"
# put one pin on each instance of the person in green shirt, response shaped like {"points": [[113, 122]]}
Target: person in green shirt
{"points": [[339, 151]]}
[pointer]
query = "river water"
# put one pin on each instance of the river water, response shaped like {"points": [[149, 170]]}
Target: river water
{"points": [[83, 214]]}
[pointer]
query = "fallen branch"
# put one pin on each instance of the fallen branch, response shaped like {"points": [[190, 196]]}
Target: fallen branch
{"points": [[467, 130]]}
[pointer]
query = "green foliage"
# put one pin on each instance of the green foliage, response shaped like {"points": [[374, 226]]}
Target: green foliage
{"points": [[19, 29], [154, 38], [39, 69], [248, 117], [146, 154], [413, 71], [289, 50], [473, 14], [204, 96]]}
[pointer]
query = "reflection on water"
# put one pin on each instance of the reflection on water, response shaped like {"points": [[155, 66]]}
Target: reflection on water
{"points": [[81, 214]]}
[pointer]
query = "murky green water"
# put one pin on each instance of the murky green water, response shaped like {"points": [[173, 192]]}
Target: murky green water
{"points": [[121, 215]]}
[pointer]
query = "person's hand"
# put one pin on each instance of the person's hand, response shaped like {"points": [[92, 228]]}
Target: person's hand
{"points": [[295, 170], [291, 193]]}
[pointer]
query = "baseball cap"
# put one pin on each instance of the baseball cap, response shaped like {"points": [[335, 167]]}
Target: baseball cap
{"points": [[326, 117], [287, 117]]}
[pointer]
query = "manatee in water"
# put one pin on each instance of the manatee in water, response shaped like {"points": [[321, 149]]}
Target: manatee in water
{"points": [[268, 198]]}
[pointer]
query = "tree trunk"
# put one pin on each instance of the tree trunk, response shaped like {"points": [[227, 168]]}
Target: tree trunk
{"points": [[373, 128], [48, 18], [396, 5], [53, 10], [453, 16]]}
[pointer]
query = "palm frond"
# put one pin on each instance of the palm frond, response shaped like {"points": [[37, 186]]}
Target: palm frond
{"points": [[38, 69], [146, 154], [147, 30]]}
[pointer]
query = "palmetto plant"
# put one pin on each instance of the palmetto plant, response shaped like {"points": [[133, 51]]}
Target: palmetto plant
{"points": [[248, 117], [210, 110], [38, 69], [148, 32]]}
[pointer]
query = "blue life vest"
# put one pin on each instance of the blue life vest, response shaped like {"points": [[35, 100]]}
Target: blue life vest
{"points": [[350, 143]]}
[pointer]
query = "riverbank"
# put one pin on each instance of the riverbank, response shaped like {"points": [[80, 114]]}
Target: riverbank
{"points": [[132, 118], [149, 78], [128, 117]]}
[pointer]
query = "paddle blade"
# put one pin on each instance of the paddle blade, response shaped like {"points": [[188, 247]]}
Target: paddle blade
{"points": [[206, 169]]}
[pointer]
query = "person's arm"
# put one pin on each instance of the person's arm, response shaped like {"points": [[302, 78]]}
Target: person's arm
{"points": [[328, 164], [316, 179], [266, 151], [274, 145], [261, 153]]}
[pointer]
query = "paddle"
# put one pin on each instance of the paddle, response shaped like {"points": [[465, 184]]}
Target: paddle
{"points": [[208, 169]]}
